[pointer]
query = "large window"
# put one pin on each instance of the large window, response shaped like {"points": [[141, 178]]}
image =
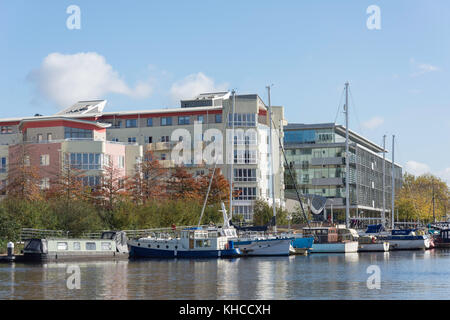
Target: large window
{"points": [[76, 133], [244, 174], [6, 130], [245, 156], [218, 118], [149, 122], [84, 161], [245, 193], [45, 160], [183, 120], [3, 165], [166, 121], [299, 136], [91, 181], [243, 119], [131, 123]]}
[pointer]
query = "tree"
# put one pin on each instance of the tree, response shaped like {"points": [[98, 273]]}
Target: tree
{"points": [[149, 180], [263, 214], [24, 181], [220, 188], [183, 185], [419, 195]]}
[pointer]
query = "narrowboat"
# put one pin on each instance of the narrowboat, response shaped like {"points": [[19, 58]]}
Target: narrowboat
{"points": [[111, 244], [326, 240]]}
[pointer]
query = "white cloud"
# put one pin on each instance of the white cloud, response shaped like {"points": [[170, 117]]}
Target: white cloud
{"points": [[422, 68], [193, 85], [373, 123], [416, 168], [67, 78], [445, 174]]}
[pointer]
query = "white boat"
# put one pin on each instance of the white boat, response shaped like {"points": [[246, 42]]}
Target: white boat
{"points": [[264, 246], [370, 243], [326, 240], [338, 247], [405, 239]]}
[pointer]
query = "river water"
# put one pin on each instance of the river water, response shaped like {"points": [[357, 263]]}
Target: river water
{"points": [[402, 275]]}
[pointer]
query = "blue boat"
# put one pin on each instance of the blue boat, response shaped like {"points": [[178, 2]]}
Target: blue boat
{"points": [[191, 243]]}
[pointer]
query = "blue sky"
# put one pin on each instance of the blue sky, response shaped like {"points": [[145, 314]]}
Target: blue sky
{"points": [[147, 54]]}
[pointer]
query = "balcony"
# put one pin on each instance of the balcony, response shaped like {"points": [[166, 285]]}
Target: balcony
{"points": [[160, 146]]}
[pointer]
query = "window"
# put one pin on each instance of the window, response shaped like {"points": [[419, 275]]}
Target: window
{"points": [[62, 246], [85, 161], [163, 156], [76, 246], [201, 119], [6, 130], [91, 246], [150, 140], [183, 120], [91, 181], [49, 137], [2, 187], [45, 160], [106, 246], [3, 165], [39, 137], [245, 156], [76, 133], [166, 121], [149, 122], [121, 162], [245, 193], [218, 118], [132, 140], [115, 139], [242, 119], [244, 174], [165, 139], [45, 183], [131, 123]]}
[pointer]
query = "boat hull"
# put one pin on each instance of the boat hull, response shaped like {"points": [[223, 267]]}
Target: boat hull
{"points": [[418, 244], [340, 247], [303, 243], [141, 252], [374, 247], [266, 247]]}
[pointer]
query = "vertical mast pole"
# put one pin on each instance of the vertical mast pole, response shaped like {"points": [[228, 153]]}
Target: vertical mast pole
{"points": [[347, 163], [272, 155], [393, 185], [232, 152], [383, 213]]}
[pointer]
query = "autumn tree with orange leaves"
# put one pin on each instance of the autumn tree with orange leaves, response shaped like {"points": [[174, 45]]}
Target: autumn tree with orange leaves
{"points": [[149, 181]]}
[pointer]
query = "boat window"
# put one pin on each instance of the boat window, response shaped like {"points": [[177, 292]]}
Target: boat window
{"points": [[61, 246], [76, 246], [91, 246], [106, 246]]}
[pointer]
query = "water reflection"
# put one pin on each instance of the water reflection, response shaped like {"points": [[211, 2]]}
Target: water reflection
{"points": [[404, 275]]}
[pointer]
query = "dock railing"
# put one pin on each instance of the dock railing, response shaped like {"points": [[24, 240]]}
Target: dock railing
{"points": [[29, 233]]}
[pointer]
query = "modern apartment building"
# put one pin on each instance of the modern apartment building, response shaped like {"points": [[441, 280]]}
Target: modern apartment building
{"points": [[316, 156], [196, 135]]}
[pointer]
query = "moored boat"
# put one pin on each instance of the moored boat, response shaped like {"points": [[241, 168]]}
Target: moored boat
{"points": [[111, 245], [443, 240], [372, 244], [326, 241]]}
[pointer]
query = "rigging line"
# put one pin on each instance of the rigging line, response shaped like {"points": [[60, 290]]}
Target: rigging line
{"points": [[356, 112], [339, 106], [292, 177]]}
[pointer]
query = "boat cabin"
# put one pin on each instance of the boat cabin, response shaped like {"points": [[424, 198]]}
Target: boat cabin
{"points": [[322, 234], [444, 236]]}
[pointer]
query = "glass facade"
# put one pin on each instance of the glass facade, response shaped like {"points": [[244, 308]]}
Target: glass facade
{"points": [[76, 133]]}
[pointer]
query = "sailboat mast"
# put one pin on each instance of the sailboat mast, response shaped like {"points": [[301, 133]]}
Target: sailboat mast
{"points": [[232, 152], [393, 185], [347, 163], [272, 155], [383, 214]]}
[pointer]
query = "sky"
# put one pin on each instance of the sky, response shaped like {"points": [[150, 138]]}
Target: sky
{"points": [[149, 54]]}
